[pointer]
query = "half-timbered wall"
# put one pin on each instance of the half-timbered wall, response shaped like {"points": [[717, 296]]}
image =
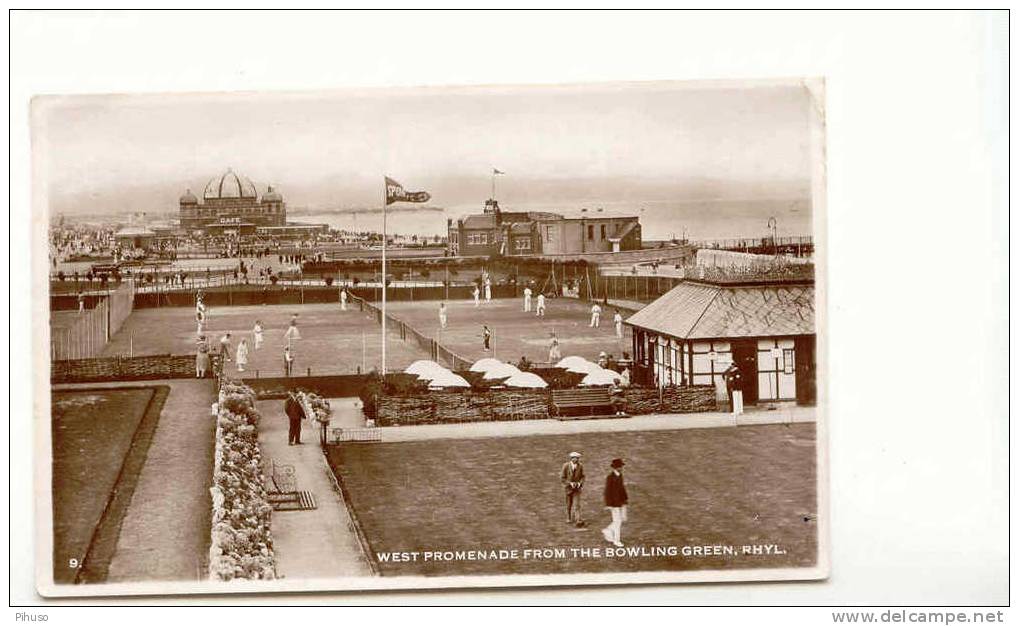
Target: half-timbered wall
{"points": [[776, 369]]}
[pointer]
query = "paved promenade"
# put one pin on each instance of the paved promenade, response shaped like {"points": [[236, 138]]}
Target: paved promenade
{"points": [[318, 543]]}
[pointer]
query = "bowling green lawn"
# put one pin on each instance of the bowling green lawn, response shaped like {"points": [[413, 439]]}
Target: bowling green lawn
{"points": [[727, 488]]}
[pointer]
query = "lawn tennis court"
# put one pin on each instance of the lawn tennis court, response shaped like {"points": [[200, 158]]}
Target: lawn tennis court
{"points": [[332, 341], [516, 333]]}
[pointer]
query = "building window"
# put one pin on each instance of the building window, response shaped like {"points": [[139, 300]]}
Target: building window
{"points": [[603, 231], [522, 244], [590, 232]]}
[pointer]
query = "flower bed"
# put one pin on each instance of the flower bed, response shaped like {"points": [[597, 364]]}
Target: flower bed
{"points": [[241, 546], [314, 406]]}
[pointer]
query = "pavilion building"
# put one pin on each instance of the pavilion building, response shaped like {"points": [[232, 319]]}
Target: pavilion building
{"points": [[231, 204]]}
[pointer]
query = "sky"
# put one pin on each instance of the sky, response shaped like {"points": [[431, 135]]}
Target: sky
{"points": [[653, 141]]}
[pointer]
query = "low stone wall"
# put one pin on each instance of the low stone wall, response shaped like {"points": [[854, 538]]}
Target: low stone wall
{"points": [[155, 367], [506, 405]]}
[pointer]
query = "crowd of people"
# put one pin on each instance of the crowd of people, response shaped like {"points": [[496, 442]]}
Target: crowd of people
{"points": [[241, 357]]}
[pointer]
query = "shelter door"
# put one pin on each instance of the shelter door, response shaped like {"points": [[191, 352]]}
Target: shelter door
{"points": [[744, 354], [806, 370]]}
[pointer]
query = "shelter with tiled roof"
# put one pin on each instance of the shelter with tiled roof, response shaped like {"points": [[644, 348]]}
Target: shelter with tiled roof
{"points": [[693, 333]]}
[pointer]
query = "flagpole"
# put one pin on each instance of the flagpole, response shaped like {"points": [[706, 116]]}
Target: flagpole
{"points": [[384, 198], [493, 183]]}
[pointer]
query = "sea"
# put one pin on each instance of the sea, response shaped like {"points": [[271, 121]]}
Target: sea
{"points": [[660, 220]]}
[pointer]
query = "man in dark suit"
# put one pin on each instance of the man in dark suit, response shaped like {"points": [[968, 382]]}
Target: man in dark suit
{"points": [[616, 500], [295, 413], [572, 478]]}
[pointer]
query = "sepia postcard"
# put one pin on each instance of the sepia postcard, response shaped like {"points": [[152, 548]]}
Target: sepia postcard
{"points": [[434, 337]]}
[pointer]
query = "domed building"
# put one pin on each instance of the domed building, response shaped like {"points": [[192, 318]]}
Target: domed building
{"points": [[230, 203]]}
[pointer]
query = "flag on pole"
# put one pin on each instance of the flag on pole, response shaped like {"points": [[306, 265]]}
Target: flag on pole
{"points": [[396, 193], [497, 172]]}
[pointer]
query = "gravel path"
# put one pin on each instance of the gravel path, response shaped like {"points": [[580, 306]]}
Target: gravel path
{"points": [[165, 534]]}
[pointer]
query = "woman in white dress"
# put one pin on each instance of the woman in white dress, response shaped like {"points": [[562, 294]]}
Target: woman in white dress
{"points": [[202, 359], [257, 331], [553, 350], [242, 355], [292, 332]]}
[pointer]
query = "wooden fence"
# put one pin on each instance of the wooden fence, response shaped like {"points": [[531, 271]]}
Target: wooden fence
{"points": [[87, 335]]}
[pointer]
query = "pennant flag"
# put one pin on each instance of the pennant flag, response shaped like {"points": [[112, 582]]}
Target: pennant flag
{"points": [[396, 193], [495, 171]]}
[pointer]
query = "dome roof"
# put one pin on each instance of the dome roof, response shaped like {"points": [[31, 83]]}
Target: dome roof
{"points": [[230, 185], [188, 198], [272, 196]]}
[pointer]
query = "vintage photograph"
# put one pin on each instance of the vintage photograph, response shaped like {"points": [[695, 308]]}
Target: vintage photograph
{"points": [[431, 337]]}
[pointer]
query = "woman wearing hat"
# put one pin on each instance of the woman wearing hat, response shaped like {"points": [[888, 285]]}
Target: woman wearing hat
{"points": [[615, 501]]}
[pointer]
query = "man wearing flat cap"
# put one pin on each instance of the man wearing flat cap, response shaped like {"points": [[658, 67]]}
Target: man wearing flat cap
{"points": [[572, 478], [615, 501]]}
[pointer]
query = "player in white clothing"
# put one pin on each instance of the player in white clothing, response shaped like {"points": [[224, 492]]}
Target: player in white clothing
{"points": [[595, 315]]}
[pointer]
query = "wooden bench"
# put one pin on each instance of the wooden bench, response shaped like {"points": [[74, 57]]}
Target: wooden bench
{"points": [[283, 494], [582, 403]]}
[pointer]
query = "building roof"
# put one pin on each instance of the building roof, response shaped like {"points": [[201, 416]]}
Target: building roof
{"points": [[699, 311], [521, 228], [230, 185], [272, 196], [479, 221], [188, 198]]}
